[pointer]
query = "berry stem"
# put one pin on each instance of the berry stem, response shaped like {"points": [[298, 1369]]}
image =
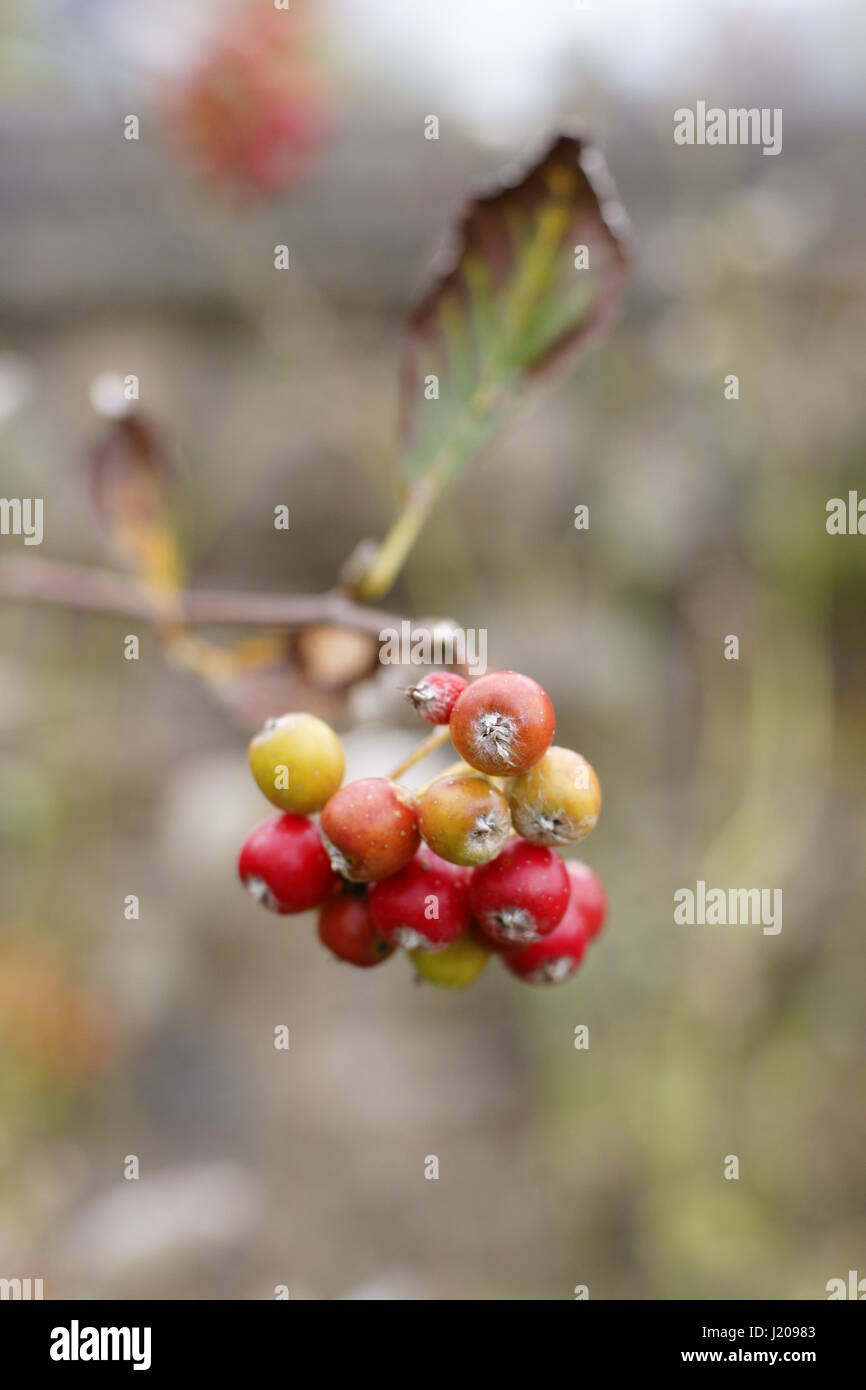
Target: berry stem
{"points": [[437, 739]]}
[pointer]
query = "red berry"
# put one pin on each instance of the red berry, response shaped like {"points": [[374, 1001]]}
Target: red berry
{"points": [[370, 829], [254, 112], [435, 695], [284, 864], [587, 893], [502, 724], [425, 906], [522, 895], [555, 957], [346, 928]]}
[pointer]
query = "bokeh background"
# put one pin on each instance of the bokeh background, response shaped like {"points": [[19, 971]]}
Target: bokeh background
{"points": [[155, 1037]]}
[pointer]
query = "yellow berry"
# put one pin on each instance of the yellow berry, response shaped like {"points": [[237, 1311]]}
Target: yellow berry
{"points": [[464, 819], [557, 801], [453, 967], [298, 762]]}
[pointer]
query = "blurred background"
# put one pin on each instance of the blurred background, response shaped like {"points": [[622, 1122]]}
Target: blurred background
{"points": [[155, 1037]]}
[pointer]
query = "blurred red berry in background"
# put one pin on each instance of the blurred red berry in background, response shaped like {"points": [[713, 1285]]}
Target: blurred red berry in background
{"points": [[255, 110]]}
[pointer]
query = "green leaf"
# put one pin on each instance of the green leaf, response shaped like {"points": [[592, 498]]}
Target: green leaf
{"points": [[513, 307]]}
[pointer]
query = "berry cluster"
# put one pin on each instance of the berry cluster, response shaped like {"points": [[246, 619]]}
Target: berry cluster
{"points": [[464, 868]]}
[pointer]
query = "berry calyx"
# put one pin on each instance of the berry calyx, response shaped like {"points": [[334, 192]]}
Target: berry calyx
{"points": [[557, 802], [424, 906], [521, 896], [502, 723], [556, 956], [435, 695], [370, 829], [587, 893], [283, 865], [297, 761], [464, 819], [346, 928], [453, 967]]}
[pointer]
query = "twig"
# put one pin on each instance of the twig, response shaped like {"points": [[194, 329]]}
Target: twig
{"points": [[31, 580], [437, 739]]}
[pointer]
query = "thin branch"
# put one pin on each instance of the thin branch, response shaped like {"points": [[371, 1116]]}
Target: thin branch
{"points": [[31, 580], [437, 739]]}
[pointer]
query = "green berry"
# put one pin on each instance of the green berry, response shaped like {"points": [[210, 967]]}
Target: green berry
{"points": [[454, 967]]}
